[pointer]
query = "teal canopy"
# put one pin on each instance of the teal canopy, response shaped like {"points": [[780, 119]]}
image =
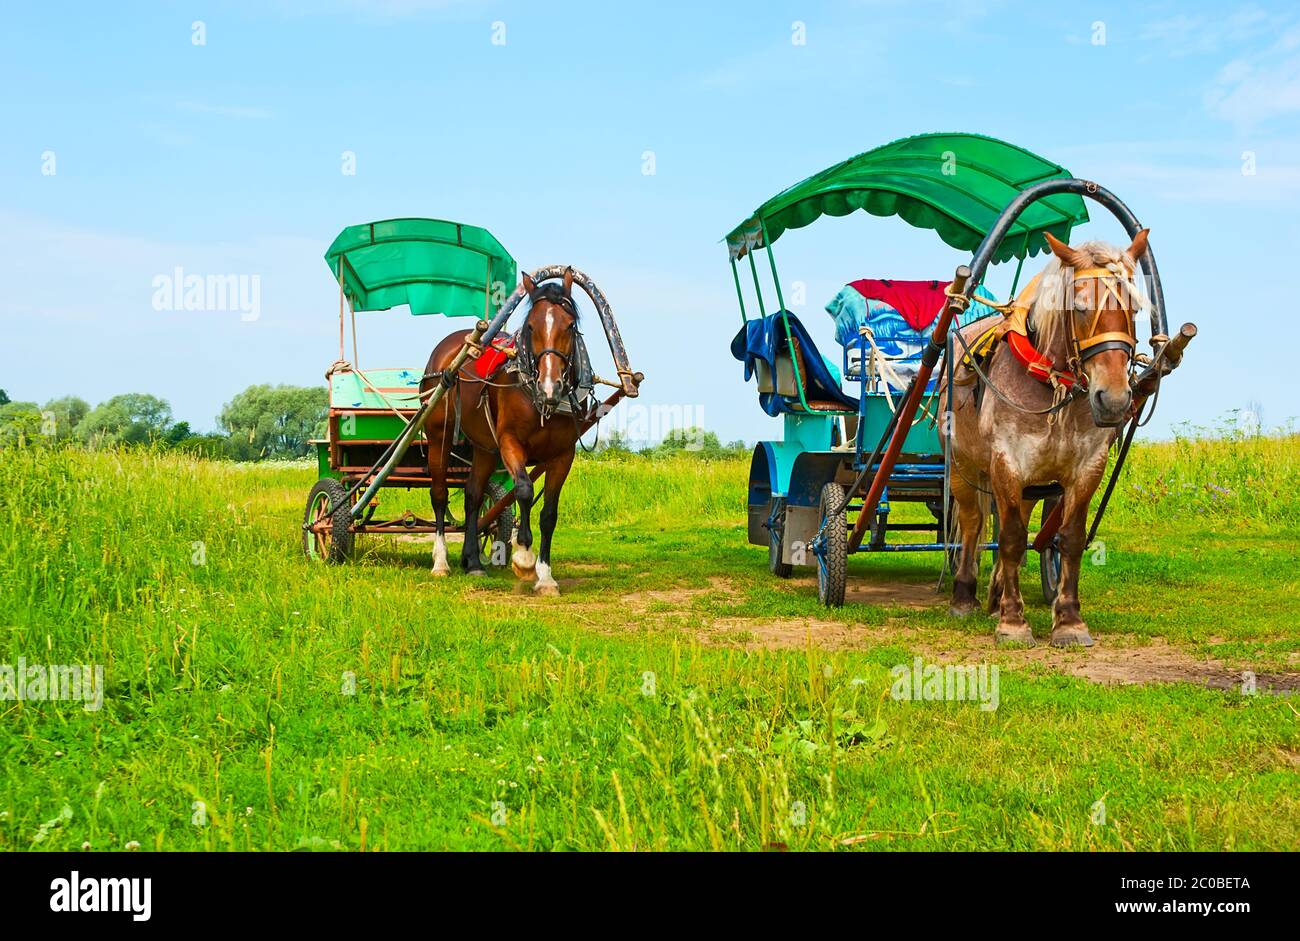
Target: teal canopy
{"points": [[434, 266], [955, 184]]}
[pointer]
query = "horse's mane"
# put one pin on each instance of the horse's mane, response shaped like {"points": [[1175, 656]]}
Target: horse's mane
{"points": [[553, 291], [1053, 304]]}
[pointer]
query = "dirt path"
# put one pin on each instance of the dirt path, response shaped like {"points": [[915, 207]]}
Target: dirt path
{"points": [[1115, 660]]}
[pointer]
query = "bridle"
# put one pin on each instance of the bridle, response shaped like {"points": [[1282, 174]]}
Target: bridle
{"points": [[1107, 285], [529, 360], [1069, 384]]}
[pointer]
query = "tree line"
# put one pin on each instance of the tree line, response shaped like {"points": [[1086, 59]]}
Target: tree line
{"points": [[264, 422]]}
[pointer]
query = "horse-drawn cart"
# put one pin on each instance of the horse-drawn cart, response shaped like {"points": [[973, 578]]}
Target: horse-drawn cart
{"points": [[827, 489], [374, 430]]}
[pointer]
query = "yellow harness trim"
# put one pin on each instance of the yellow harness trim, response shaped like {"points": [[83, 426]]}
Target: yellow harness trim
{"points": [[1016, 313], [1015, 319]]}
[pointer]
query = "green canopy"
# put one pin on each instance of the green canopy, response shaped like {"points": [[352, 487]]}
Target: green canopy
{"points": [[434, 266], [956, 184]]}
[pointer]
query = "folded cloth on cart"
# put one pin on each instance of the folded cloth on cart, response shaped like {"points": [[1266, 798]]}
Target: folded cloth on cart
{"points": [[763, 345], [871, 303]]}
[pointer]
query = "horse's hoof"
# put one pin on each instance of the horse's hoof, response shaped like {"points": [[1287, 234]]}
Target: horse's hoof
{"points": [[1014, 636], [440, 573], [476, 573], [964, 610], [548, 589], [1074, 636], [527, 573]]}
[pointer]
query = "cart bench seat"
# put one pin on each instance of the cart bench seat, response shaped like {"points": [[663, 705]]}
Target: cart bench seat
{"points": [[789, 384]]}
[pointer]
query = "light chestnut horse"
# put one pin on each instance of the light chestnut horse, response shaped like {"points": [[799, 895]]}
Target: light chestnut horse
{"points": [[1082, 318]]}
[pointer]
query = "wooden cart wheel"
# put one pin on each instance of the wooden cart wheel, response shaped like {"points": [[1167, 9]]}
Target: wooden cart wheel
{"points": [[776, 541], [332, 543], [832, 563], [1049, 560], [501, 530]]}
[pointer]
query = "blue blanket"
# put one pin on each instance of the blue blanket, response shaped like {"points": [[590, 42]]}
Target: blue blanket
{"points": [[762, 338], [892, 333]]}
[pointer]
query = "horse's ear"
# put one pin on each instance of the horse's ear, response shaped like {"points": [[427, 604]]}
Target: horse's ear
{"points": [[529, 285], [1059, 248], [568, 282], [1138, 248]]}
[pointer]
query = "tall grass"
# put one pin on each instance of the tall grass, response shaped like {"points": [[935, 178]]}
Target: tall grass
{"points": [[1238, 476], [483, 718]]}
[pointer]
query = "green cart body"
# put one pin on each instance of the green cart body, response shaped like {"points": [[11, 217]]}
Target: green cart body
{"points": [[434, 268]]}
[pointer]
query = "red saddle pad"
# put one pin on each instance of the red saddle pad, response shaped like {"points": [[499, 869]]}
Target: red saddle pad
{"points": [[493, 358]]}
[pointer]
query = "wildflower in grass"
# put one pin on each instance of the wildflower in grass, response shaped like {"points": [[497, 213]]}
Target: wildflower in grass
{"points": [[133, 845]]}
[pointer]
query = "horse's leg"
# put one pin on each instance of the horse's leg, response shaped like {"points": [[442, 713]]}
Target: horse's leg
{"points": [[485, 462], [970, 518], [513, 456], [1013, 535], [556, 472], [995, 583], [1068, 627]]}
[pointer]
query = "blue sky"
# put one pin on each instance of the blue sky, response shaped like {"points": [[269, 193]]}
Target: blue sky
{"points": [[225, 158]]}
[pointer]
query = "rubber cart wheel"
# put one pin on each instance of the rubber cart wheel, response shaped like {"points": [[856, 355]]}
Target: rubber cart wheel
{"points": [[832, 564], [776, 541], [332, 543], [1049, 560], [501, 530]]}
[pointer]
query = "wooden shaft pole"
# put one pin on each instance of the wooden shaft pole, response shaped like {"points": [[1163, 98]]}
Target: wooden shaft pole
{"points": [[907, 411]]}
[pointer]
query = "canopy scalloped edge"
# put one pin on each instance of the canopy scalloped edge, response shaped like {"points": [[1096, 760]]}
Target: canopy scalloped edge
{"points": [[433, 266], [858, 183]]}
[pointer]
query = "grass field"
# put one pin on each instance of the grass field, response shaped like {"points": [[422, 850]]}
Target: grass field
{"points": [[676, 696]]}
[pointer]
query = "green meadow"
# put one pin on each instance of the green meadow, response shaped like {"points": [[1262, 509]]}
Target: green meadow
{"points": [[675, 696]]}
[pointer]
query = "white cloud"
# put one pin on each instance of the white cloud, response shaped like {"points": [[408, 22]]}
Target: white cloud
{"points": [[1191, 170], [377, 10], [1252, 90], [229, 111], [1185, 35]]}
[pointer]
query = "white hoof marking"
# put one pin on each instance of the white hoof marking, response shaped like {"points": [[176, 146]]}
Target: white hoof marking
{"points": [[523, 558], [440, 566]]}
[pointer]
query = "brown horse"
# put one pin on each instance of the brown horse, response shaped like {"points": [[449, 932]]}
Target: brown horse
{"points": [[510, 417], [1022, 432]]}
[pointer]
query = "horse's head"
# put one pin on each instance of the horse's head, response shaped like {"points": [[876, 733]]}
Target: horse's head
{"points": [[1093, 289], [548, 338]]}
